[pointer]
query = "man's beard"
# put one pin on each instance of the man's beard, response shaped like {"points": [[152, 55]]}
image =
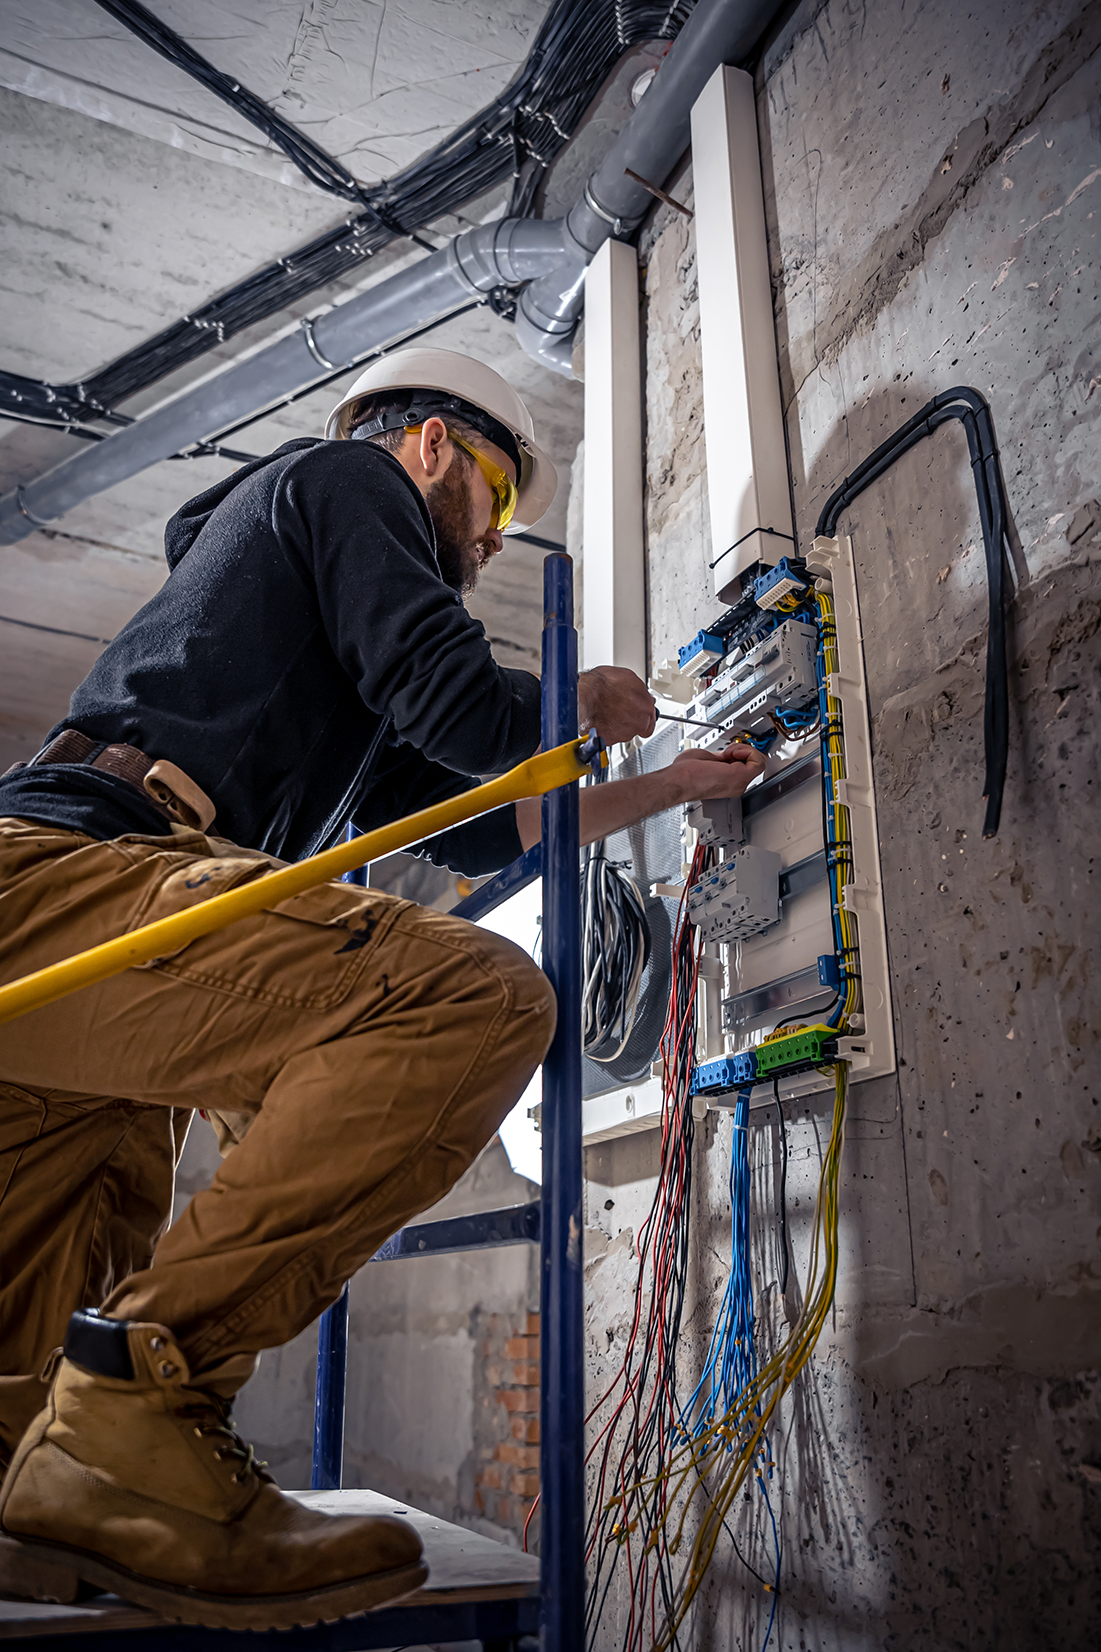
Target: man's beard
{"points": [[461, 557]]}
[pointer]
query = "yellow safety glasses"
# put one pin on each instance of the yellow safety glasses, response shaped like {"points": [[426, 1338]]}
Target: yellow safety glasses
{"points": [[504, 489]]}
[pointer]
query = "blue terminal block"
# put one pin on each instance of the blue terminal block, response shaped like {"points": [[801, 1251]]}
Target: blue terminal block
{"points": [[729, 1072], [777, 583], [701, 653], [829, 970]]}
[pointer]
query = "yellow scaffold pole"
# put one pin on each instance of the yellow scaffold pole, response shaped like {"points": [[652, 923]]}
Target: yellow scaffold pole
{"points": [[539, 774]]}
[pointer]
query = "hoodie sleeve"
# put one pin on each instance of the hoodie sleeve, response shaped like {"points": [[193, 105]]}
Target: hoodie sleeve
{"points": [[407, 781], [352, 521]]}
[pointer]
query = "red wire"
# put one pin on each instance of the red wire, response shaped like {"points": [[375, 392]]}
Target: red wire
{"points": [[527, 1522], [657, 1252]]}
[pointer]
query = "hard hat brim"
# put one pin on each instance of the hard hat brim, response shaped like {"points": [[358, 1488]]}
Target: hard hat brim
{"points": [[536, 491]]}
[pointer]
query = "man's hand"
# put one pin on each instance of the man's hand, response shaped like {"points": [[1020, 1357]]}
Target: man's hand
{"points": [[703, 774], [690, 777], [616, 703]]}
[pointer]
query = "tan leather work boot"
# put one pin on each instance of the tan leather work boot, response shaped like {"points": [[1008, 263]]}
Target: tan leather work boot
{"points": [[134, 1481]]}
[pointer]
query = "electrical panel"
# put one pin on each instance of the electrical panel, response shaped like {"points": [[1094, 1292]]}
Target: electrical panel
{"points": [[798, 978], [793, 970]]}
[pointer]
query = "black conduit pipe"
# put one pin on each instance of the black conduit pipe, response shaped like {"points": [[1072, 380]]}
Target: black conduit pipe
{"points": [[972, 409]]}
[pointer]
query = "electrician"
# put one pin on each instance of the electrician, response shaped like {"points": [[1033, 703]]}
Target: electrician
{"points": [[308, 661]]}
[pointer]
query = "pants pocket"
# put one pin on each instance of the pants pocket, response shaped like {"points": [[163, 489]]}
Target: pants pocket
{"points": [[192, 884], [305, 953]]}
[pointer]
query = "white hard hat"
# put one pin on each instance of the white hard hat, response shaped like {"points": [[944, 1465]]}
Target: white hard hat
{"points": [[472, 381]]}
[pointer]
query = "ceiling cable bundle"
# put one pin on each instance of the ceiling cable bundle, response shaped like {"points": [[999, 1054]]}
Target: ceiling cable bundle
{"points": [[516, 136]]}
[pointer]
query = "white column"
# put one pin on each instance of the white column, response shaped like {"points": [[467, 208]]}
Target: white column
{"points": [[613, 562], [747, 480]]}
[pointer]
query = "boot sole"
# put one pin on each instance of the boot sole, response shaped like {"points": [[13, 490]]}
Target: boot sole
{"points": [[29, 1577], [183, 1605]]}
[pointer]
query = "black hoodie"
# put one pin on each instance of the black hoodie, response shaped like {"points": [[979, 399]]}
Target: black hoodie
{"points": [[305, 664]]}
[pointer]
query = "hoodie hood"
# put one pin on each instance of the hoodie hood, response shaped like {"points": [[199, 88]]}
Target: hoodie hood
{"points": [[183, 529]]}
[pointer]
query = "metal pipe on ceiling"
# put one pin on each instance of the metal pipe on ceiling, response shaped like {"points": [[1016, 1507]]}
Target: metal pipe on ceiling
{"points": [[547, 257], [650, 144]]}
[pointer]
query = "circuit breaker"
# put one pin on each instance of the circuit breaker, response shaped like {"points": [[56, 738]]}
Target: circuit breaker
{"points": [[740, 898]]}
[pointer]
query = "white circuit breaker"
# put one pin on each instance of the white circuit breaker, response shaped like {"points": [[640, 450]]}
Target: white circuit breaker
{"points": [[740, 898]]}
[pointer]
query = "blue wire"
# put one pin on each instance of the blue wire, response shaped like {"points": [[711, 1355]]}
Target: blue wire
{"points": [[731, 1362]]}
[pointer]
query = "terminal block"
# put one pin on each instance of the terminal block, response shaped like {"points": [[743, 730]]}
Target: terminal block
{"points": [[729, 1072], [701, 653], [806, 1047], [777, 674], [740, 898], [718, 820], [788, 579]]}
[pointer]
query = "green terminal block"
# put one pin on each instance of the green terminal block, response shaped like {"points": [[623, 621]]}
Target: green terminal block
{"points": [[810, 1046]]}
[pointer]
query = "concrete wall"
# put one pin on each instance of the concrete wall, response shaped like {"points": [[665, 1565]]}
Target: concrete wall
{"points": [[933, 190]]}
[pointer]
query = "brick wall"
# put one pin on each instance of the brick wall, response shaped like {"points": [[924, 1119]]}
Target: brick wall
{"points": [[506, 1480]]}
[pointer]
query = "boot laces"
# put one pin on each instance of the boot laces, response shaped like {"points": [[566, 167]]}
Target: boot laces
{"points": [[213, 1417]]}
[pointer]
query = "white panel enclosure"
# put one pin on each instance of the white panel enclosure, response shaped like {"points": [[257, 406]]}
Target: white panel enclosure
{"points": [[747, 480], [614, 603]]}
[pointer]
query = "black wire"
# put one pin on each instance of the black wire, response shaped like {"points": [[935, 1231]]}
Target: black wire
{"points": [[783, 1188], [615, 951], [200, 449], [317, 164], [978, 423], [578, 44], [54, 630]]}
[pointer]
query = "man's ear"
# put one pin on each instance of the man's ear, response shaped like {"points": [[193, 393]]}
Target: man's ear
{"points": [[434, 438]]}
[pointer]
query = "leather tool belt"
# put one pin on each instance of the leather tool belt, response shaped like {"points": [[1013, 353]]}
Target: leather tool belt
{"points": [[168, 788]]}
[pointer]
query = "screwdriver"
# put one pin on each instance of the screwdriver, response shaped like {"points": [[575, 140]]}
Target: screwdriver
{"points": [[694, 722]]}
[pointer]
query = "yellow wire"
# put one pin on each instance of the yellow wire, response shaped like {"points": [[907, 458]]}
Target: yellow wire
{"points": [[539, 774], [734, 1439], [834, 749]]}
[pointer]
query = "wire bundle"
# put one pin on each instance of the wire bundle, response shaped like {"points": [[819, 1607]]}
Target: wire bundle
{"points": [[836, 827], [319, 167], [519, 134], [615, 949], [731, 1362], [638, 1413], [708, 1470]]}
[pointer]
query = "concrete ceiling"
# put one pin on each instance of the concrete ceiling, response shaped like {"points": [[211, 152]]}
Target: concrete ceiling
{"points": [[132, 196]]}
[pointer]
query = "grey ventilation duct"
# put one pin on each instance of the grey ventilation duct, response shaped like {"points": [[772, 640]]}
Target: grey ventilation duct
{"points": [[547, 258]]}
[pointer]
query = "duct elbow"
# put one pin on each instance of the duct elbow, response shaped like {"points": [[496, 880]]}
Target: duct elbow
{"points": [[509, 252], [554, 350]]}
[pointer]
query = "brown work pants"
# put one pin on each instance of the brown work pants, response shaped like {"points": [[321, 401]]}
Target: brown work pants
{"points": [[376, 1044]]}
